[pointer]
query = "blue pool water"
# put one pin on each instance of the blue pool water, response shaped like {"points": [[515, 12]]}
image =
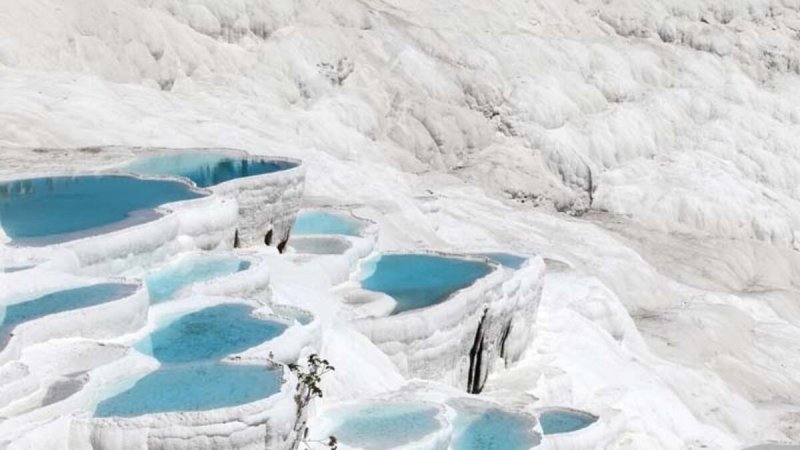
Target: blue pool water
{"points": [[494, 429], [385, 426], [193, 387], [190, 377], [564, 421], [60, 207], [323, 222], [209, 334], [206, 169], [416, 281], [505, 259], [165, 283], [65, 300]]}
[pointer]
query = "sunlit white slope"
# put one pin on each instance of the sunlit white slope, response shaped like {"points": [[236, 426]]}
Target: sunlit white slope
{"points": [[677, 122]]}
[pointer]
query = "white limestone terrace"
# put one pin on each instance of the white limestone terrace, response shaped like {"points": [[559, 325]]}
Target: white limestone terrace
{"points": [[596, 432], [118, 315], [321, 247], [247, 209], [38, 393], [251, 282], [108, 319], [70, 420], [268, 420], [447, 420], [404, 434], [251, 425], [267, 202], [488, 323], [462, 338], [55, 383], [671, 125], [338, 266]]}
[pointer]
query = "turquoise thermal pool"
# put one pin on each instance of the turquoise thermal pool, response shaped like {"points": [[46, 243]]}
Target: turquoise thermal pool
{"points": [[65, 300], [190, 377], [383, 426], [494, 429], [57, 209], [564, 421], [324, 222], [163, 284], [209, 334], [420, 280], [206, 169], [194, 387]]}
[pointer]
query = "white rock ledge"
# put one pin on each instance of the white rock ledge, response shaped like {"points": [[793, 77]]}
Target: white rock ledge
{"points": [[337, 267], [438, 439], [249, 426], [250, 207], [252, 283], [102, 321], [594, 435], [459, 340]]}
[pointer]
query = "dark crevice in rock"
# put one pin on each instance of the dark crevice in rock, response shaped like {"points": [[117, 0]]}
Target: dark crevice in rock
{"points": [[236, 242], [63, 389], [268, 238], [475, 377], [503, 337], [282, 245], [166, 84], [478, 378]]}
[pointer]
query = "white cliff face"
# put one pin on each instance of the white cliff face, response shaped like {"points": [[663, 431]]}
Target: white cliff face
{"points": [[653, 109], [107, 320], [240, 212], [669, 128], [462, 339]]}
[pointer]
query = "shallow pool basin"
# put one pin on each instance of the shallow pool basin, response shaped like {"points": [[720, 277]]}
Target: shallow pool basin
{"points": [[421, 280], [556, 421], [385, 425], [494, 429], [58, 209], [164, 284], [191, 377], [65, 300], [209, 334], [325, 222], [207, 169], [193, 387]]}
